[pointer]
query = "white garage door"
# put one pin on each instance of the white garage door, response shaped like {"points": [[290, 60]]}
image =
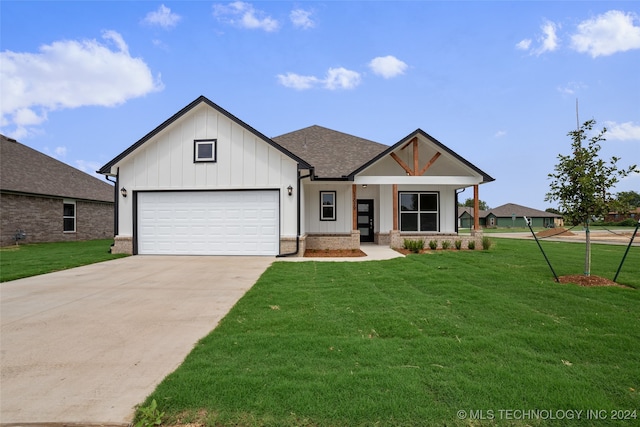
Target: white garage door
{"points": [[208, 223]]}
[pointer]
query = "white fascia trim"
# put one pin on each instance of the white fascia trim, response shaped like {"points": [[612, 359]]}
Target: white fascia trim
{"points": [[421, 180]]}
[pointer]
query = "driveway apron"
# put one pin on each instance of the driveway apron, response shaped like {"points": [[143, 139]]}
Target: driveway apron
{"points": [[86, 345]]}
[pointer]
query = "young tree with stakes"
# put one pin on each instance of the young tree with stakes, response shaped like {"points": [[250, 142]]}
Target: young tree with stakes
{"points": [[582, 182]]}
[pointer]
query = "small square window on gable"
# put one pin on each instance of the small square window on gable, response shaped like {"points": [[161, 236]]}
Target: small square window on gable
{"points": [[204, 150]]}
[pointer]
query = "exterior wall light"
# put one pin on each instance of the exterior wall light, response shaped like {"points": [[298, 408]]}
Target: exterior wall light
{"points": [[290, 190], [123, 191]]}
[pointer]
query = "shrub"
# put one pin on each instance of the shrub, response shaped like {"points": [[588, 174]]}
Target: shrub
{"points": [[472, 244], [446, 244], [433, 244], [458, 244], [414, 246], [486, 243]]}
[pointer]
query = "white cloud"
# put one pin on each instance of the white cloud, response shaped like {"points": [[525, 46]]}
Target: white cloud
{"points": [[336, 78], [302, 19], [547, 41], [387, 66], [244, 15], [571, 88], [341, 78], [162, 17], [61, 152], [622, 131], [69, 74], [500, 134], [298, 82], [606, 34]]}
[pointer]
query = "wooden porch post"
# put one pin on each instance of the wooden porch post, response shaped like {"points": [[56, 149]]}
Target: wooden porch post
{"points": [[395, 206], [476, 209], [354, 195]]}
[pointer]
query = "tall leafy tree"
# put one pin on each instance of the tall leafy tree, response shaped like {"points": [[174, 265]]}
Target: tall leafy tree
{"points": [[582, 182], [482, 205]]}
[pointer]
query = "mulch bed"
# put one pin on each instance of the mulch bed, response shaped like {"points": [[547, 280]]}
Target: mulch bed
{"points": [[334, 253], [588, 281]]}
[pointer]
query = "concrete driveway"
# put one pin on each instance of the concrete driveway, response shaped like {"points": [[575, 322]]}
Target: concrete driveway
{"points": [[85, 345]]}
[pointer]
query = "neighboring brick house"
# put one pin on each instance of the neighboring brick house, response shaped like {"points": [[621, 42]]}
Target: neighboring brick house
{"points": [[617, 216], [48, 200]]}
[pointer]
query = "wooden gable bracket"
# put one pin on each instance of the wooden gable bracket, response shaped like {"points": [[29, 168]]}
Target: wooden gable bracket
{"points": [[414, 171]]}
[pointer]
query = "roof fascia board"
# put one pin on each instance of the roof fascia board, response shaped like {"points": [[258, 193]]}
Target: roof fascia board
{"points": [[485, 177], [106, 169], [424, 180]]}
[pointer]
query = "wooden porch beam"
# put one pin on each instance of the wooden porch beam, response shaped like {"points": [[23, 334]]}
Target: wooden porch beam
{"points": [[415, 157], [354, 195], [414, 139], [401, 163], [428, 165]]}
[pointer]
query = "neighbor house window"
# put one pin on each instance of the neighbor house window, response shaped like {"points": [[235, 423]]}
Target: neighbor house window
{"points": [[69, 216], [204, 150], [327, 206], [418, 211]]}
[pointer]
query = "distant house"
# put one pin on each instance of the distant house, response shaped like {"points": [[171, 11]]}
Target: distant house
{"points": [[509, 215], [617, 217], [465, 217], [45, 200]]}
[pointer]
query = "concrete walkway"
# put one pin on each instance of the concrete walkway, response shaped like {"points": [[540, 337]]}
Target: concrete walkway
{"points": [[374, 253], [85, 345]]}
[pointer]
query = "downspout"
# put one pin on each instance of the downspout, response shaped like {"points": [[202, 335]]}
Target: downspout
{"points": [[116, 202], [300, 178]]}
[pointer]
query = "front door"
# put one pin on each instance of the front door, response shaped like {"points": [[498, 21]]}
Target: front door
{"points": [[365, 220]]}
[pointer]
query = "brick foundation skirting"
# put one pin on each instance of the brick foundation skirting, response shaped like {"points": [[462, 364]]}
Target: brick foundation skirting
{"points": [[334, 241], [122, 245]]}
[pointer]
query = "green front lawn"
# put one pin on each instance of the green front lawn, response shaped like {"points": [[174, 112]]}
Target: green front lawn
{"points": [[418, 340], [32, 259]]}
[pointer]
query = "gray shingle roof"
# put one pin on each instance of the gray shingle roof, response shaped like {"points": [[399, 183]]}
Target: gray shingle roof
{"points": [[506, 211], [511, 208], [25, 170], [469, 210], [333, 154]]}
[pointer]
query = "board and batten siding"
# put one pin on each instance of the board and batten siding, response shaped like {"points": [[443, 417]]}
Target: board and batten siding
{"points": [[243, 162]]}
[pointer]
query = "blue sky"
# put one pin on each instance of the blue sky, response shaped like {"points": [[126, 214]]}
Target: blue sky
{"points": [[497, 82]]}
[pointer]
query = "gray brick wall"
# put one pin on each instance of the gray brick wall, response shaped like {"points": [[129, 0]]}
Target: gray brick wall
{"points": [[41, 219]]}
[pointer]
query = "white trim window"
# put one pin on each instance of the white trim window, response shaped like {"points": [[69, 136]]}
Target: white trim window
{"points": [[204, 150], [69, 216], [327, 206], [419, 211]]}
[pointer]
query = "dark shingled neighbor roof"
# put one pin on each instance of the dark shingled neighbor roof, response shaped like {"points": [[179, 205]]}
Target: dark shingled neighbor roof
{"points": [[506, 211], [333, 154], [25, 170], [511, 208]]}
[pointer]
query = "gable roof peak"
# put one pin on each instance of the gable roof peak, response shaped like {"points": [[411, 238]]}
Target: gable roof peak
{"points": [[106, 169]]}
